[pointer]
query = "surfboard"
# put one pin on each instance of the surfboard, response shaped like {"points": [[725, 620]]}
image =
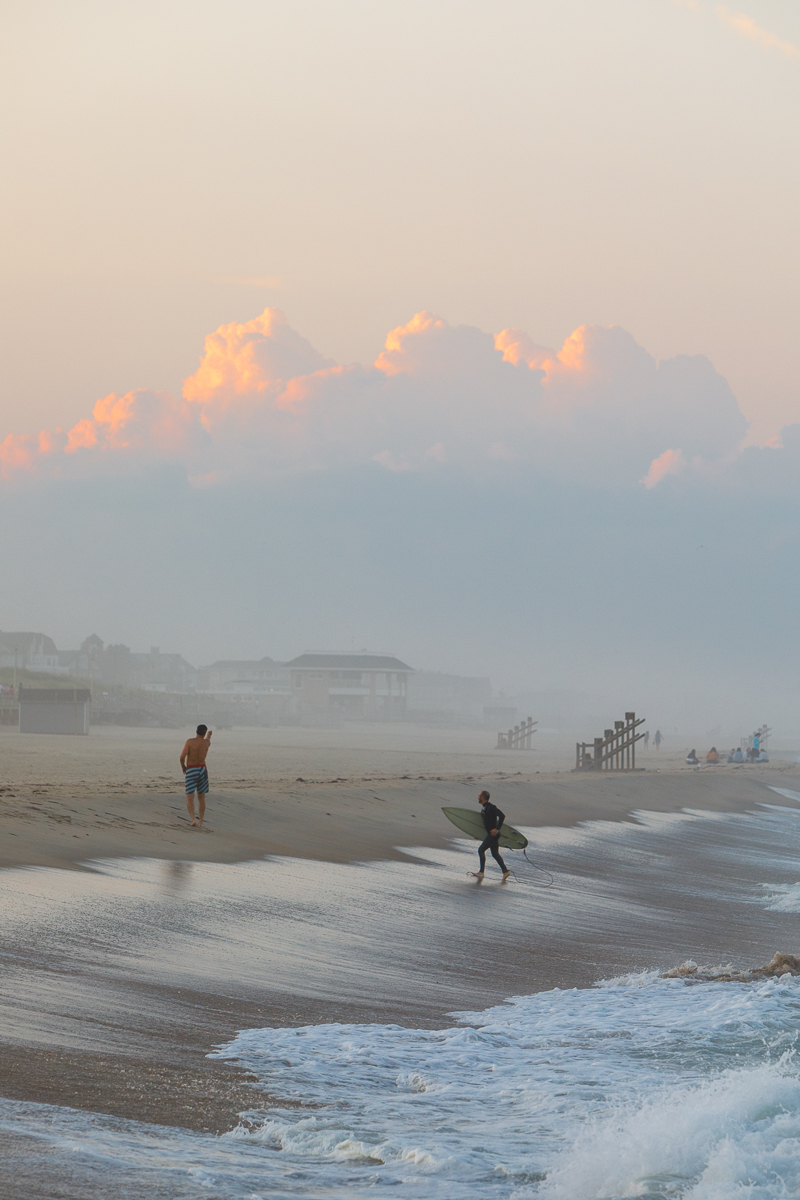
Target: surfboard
{"points": [[471, 822]]}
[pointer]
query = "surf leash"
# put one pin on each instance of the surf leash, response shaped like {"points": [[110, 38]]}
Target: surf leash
{"points": [[541, 870]]}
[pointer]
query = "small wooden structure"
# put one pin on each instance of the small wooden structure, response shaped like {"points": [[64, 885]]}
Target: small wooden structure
{"points": [[614, 751], [518, 738], [54, 710]]}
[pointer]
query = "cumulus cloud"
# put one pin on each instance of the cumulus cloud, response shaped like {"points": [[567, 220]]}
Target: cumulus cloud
{"points": [[250, 359], [671, 462], [429, 348], [122, 433], [439, 397]]}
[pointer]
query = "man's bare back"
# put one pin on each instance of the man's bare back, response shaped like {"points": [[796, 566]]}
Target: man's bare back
{"points": [[193, 765], [194, 752]]}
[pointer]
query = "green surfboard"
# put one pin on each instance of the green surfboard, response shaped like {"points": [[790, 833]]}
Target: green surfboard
{"points": [[471, 822]]}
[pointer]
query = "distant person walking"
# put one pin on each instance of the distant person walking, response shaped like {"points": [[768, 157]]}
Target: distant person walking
{"points": [[193, 765], [657, 740], [646, 739], [492, 823]]}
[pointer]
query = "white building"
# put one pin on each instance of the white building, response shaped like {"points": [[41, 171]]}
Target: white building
{"points": [[354, 687], [29, 652], [244, 677]]}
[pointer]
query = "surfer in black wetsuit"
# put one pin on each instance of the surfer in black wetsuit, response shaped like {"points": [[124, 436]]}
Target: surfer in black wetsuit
{"points": [[492, 821]]}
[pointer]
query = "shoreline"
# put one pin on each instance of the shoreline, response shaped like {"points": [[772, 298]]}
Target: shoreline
{"points": [[343, 820], [155, 1067]]}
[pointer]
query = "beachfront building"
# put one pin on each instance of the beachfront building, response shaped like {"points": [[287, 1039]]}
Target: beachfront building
{"points": [[86, 663], [455, 699], [29, 652], [247, 692], [54, 710], [157, 672], [355, 687], [244, 677], [116, 666]]}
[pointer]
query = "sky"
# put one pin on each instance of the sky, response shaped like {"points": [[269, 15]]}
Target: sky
{"points": [[220, 222]]}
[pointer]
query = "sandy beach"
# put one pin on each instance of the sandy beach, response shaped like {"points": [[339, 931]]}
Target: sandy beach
{"points": [[124, 1026], [341, 795]]}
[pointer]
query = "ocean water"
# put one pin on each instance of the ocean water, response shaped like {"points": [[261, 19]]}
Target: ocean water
{"points": [[782, 897], [639, 1087]]}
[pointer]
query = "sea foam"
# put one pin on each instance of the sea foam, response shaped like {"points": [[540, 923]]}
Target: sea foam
{"points": [[647, 1087], [571, 1095], [782, 897]]}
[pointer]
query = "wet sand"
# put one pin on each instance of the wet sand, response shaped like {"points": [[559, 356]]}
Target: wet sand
{"points": [[119, 1020]]}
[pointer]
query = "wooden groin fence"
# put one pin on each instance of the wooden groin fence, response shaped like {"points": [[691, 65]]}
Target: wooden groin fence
{"points": [[615, 751], [518, 738]]}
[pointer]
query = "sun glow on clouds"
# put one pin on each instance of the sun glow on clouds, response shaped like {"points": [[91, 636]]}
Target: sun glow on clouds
{"points": [[748, 28], [439, 397], [249, 358], [671, 462]]}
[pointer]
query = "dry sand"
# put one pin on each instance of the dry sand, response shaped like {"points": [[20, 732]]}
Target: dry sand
{"points": [[352, 794], [341, 795]]}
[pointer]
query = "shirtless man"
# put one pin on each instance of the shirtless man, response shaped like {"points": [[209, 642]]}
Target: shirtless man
{"points": [[193, 765]]}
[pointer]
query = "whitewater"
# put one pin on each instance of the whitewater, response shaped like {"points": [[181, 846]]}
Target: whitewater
{"points": [[638, 1087]]}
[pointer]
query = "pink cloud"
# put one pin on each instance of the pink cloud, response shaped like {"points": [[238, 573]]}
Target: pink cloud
{"points": [[16, 453], [82, 436], [517, 348], [748, 28], [431, 348], [152, 423], [671, 462], [244, 359], [264, 401]]}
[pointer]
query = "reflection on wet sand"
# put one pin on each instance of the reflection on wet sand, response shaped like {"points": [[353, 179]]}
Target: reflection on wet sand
{"points": [[407, 939], [118, 980], [177, 875]]}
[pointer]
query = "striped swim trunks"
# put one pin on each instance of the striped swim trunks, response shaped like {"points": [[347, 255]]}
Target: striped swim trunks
{"points": [[197, 780]]}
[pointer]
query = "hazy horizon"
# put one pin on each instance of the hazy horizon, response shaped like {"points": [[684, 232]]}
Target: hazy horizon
{"points": [[500, 361]]}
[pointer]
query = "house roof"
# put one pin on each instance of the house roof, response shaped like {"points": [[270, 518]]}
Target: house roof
{"points": [[161, 660], [347, 662], [23, 641]]}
